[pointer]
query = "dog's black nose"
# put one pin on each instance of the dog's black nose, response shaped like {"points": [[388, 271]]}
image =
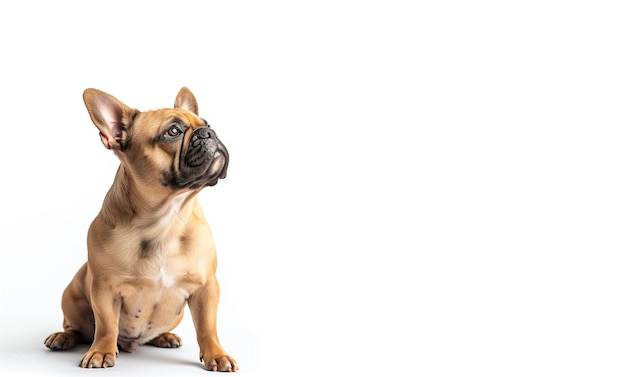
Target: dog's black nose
{"points": [[202, 136], [203, 133]]}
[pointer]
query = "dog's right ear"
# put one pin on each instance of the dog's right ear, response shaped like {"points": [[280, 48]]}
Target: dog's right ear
{"points": [[111, 116], [186, 100]]}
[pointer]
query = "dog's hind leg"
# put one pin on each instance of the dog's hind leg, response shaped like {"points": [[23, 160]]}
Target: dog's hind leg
{"points": [[78, 321]]}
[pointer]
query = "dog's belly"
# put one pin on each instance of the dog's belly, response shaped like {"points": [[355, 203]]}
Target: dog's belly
{"points": [[150, 307]]}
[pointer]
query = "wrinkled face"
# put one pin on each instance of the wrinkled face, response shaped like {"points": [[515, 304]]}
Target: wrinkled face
{"points": [[176, 148]]}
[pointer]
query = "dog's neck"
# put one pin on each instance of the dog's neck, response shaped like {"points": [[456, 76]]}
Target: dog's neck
{"points": [[131, 203]]}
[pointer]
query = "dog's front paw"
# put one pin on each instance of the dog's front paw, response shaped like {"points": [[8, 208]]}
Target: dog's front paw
{"points": [[98, 359], [219, 363]]}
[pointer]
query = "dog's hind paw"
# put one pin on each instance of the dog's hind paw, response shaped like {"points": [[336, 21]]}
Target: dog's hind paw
{"points": [[167, 340], [60, 341]]}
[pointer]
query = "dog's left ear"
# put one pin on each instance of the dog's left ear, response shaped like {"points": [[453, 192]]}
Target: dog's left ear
{"points": [[186, 100], [111, 116]]}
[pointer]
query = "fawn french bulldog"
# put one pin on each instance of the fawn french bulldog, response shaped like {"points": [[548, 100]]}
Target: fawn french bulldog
{"points": [[150, 249]]}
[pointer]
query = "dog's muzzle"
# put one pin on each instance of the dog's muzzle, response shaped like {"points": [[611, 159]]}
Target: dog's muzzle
{"points": [[203, 162]]}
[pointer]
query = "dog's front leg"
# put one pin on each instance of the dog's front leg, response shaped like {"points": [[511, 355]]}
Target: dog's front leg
{"points": [[106, 305], [203, 308]]}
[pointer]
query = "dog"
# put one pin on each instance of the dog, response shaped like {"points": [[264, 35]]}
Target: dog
{"points": [[150, 249]]}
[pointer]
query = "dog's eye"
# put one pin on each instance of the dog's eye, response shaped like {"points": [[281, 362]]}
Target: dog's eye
{"points": [[174, 131]]}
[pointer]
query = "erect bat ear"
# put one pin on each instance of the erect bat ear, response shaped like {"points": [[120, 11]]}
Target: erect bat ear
{"points": [[186, 100], [111, 116]]}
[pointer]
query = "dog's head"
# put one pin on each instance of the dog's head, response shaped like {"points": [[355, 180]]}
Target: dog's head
{"points": [[172, 147]]}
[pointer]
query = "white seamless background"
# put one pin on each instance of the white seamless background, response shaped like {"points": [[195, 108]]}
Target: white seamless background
{"points": [[416, 188]]}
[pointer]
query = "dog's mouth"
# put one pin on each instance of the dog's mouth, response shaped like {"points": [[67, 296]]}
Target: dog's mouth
{"points": [[203, 162], [217, 168]]}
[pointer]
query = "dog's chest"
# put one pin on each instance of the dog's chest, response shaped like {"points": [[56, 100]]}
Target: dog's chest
{"points": [[163, 280], [162, 271]]}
